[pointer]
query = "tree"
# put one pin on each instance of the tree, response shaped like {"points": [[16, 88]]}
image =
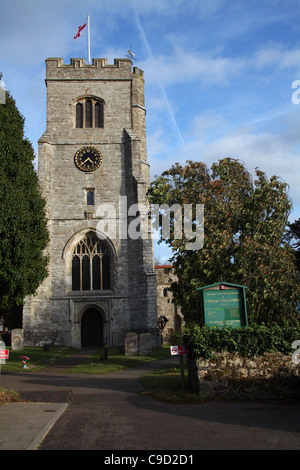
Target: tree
{"points": [[23, 230], [292, 236], [243, 228]]}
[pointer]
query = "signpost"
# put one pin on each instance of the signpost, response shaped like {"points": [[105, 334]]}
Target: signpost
{"points": [[180, 351], [4, 353], [223, 304]]}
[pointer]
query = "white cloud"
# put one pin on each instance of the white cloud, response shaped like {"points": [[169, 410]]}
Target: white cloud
{"points": [[278, 56], [184, 66], [272, 145]]}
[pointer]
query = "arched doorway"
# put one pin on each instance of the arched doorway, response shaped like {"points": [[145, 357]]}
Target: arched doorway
{"points": [[91, 329]]}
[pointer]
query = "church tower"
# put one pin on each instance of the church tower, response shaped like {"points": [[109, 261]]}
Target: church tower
{"points": [[93, 173]]}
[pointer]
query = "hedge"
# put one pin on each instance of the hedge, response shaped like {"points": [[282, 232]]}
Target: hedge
{"points": [[249, 341]]}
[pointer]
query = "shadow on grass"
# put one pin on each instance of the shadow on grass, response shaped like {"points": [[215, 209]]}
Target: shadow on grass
{"points": [[116, 361], [166, 385]]}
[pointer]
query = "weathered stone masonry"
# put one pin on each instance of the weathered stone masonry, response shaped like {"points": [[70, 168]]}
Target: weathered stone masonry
{"points": [[55, 314], [231, 376]]}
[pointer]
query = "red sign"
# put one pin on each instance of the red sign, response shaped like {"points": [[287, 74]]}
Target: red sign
{"points": [[176, 350], [4, 353]]}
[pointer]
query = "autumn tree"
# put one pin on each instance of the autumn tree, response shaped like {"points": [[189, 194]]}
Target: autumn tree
{"points": [[23, 231], [244, 222]]}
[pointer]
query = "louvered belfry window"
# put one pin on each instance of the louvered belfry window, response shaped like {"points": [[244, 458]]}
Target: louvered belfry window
{"points": [[91, 264], [89, 113], [79, 115], [98, 112]]}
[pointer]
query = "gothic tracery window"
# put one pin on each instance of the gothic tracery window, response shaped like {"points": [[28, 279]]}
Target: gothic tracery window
{"points": [[91, 264], [89, 113]]}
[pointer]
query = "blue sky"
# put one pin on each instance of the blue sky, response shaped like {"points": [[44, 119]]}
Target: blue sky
{"points": [[218, 73]]}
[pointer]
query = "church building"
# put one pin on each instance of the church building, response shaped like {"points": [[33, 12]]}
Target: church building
{"points": [[93, 173]]}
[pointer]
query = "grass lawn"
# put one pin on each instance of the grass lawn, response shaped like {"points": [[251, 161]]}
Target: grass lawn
{"points": [[93, 365], [117, 361], [38, 358]]}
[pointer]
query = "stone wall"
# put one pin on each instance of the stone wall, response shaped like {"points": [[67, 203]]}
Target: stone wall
{"points": [[231, 376], [166, 308]]}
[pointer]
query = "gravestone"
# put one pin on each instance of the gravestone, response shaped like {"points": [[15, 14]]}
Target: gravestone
{"points": [[17, 339], [131, 344], [145, 344]]}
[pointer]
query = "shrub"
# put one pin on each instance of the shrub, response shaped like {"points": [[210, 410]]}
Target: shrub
{"points": [[249, 341]]}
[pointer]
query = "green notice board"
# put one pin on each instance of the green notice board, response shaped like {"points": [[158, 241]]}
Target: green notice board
{"points": [[223, 304]]}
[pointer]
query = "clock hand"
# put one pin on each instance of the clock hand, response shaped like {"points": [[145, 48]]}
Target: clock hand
{"points": [[88, 158]]}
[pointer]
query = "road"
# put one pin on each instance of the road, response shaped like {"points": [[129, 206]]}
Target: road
{"points": [[106, 412]]}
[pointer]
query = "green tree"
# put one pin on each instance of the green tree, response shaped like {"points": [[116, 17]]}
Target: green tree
{"points": [[23, 230], [243, 228], [292, 236]]}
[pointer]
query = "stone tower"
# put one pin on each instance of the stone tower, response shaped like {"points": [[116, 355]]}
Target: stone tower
{"points": [[93, 172]]}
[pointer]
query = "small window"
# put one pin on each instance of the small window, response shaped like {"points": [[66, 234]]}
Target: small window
{"points": [[90, 199], [165, 292]]}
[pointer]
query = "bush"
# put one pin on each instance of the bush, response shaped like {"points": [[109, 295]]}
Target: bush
{"points": [[174, 337], [250, 341]]}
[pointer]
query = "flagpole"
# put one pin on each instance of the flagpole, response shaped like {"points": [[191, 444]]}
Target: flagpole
{"points": [[89, 40]]}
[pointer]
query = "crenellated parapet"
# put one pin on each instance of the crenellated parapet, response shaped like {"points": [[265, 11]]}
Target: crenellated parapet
{"points": [[99, 69]]}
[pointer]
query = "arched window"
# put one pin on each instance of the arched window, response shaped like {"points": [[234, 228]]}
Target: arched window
{"points": [[91, 264], [79, 115], [89, 113]]}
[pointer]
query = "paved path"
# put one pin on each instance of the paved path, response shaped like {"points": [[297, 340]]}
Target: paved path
{"points": [[106, 412], [23, 426]]}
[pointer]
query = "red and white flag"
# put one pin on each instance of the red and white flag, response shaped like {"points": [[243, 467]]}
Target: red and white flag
{"points": [[80, 29]]}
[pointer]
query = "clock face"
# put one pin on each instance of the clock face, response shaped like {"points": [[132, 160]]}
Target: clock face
{"points": [[88, 159]]}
